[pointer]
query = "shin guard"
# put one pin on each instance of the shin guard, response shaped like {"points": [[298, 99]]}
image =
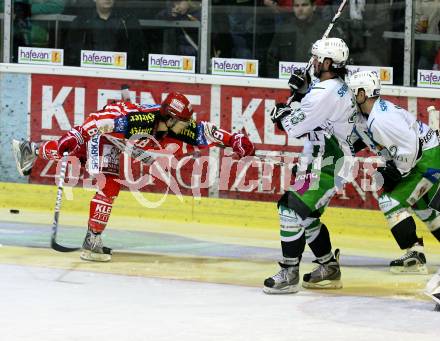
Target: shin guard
{"points": [[404, 233]]}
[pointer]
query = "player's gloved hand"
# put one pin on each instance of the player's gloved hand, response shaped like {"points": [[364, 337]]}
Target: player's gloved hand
{"points": [[299, 83], [279, 111], [70, 142], [391, 176], [241, 145]]}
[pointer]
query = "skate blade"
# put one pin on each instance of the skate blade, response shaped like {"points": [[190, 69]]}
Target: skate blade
{"points": [[419, 269], [291, 289], [95, 257], [15, 152], [327, 284]]}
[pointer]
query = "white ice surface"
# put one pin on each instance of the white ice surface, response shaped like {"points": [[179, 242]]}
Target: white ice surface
{"points": [[52, 304]]}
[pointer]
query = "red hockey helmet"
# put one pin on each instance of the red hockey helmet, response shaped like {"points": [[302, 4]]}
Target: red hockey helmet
{"points": [[177, 106]]}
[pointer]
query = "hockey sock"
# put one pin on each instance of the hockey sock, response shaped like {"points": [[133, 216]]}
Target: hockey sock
{"points": [[293, 250], [404, 233], [100, 209], [321, 245], [48, 150]]}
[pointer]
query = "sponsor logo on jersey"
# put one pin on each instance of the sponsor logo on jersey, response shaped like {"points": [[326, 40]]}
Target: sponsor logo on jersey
{"points": [[171, 63], [43, 56], [104, 59], [234, 67]]}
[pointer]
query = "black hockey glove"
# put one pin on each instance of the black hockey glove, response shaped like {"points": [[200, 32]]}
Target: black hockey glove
{"points": [[279, 111], [391, 176], [299, 83]]}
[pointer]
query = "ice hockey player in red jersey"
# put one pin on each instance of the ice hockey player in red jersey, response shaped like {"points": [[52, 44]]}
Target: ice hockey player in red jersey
{"points": [[96, 139]]}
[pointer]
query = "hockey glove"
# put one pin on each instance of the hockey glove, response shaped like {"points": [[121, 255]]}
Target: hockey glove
{"points": [[391, 176], [70, 142], [299, 83], [279, 111], [241, 145]]}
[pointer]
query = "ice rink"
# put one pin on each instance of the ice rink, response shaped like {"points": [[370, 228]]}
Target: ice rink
{"points": [[54, 304], [196, 279], [171, 281]]}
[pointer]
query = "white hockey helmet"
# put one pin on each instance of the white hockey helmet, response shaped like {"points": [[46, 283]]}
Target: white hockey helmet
{"points": [[369, 81], [333, 48]]}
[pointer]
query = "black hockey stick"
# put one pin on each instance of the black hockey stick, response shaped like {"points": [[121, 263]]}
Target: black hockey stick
{"points": [[53, 240]]}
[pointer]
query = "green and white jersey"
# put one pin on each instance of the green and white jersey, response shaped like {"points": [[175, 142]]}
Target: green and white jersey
{"points": [[394, 134], [327, 110], [329, 106]]}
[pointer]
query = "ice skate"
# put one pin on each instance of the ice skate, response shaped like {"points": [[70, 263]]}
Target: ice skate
{"points": [[412, 262], [325, 275], [93, 249], [25, 153], [286, 281]]}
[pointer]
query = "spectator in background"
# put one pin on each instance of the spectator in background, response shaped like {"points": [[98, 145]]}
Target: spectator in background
{"points": [[436, 65], [103, 28], [295, 36], [366, 21], [427, 21], [32, 33], [184, 41]]}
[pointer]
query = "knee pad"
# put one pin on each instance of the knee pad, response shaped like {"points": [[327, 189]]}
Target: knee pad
{"points": [[396, 217], [111, 187], [434, 224], [291, 224]]}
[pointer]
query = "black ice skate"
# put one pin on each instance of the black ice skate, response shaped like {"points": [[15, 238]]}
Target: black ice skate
{"points": [[325, 276], [284, 282], [412, 262], [25, 154], [93, 248]]}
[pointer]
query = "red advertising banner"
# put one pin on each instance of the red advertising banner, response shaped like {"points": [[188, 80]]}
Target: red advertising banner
{"points": [[61, 102]]}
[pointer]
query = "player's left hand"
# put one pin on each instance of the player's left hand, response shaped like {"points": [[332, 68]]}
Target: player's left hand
{"points": [[391, 176], [241, 145]]}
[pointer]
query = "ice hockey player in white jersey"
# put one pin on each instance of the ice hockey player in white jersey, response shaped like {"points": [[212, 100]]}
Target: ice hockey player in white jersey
{"points": [[411, 152], [324, 113]]}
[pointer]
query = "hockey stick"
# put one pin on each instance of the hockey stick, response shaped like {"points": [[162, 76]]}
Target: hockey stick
{"points": [[329, 28], [53, 240]]}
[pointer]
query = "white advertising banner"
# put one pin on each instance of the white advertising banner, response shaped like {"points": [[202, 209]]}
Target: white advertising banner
{"points": [[171, 63], [234, 67], [285, 69], [42, 56], [104, 59], [428, 79]]}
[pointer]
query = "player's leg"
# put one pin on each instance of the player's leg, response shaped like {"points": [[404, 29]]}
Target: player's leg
{"points": [[395, 206], [327, 273], [100, 209], [102, 203], [292, 246], [429, 216]]}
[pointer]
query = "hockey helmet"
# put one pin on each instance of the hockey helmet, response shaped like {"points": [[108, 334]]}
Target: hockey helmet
{"points": [[334, 48], [176, 106], [369, 81]]}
